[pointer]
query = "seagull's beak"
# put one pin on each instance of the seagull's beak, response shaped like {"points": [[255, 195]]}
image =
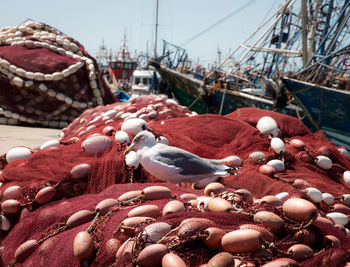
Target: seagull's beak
{"points": [[128, 149]]}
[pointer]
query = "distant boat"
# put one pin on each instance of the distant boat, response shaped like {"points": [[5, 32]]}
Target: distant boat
{"points": [[118, 69], [141, 82], [197, 95]]}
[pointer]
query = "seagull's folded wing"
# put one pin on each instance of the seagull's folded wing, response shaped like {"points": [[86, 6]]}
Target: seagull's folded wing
{"points": [[190, 164]]}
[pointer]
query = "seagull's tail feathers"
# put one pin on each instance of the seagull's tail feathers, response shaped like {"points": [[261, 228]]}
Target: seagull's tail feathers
{"points": [[221, 174], [224, 170]]}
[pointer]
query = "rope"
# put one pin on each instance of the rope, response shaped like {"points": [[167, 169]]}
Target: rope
{"points": [[298, 114], [219, 22], [194, 102]]}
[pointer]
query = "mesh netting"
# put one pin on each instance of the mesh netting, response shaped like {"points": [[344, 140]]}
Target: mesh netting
{"points": [[209, 136], [46, 77]]}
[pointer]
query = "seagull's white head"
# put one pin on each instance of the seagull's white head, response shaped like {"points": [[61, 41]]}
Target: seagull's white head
{"points": [[141, 140]]}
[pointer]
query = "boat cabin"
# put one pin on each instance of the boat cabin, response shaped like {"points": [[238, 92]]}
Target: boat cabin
{"points": [[122, 69], [141, 82]]}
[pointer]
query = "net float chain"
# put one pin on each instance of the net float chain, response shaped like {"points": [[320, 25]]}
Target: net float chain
{"points": [[83, 244], [13, 206], [18, 153], [46, 37], [267, 126], [296, 209], [246, 239]]}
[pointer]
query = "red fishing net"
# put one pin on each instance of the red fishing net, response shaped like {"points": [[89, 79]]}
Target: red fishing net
{"points": [[46, 77], [55, 240]]}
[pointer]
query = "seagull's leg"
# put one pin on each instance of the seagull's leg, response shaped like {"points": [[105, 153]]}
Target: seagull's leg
{"points": [[233, 170], [131, 177]]}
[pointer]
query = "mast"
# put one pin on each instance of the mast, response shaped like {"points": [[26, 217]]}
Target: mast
{"points": [[304, 31], [124, 46], [313, 30], [156, 30]]}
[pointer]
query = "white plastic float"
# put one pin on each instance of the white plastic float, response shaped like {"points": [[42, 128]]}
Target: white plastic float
{"points": [[267, 125], [17, 153]]}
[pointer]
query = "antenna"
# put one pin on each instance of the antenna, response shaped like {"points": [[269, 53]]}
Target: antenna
{"points": [[219, 54], [156, 30]]}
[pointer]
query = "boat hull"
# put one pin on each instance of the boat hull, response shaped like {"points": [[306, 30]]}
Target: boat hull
{"points": [[191, 92], [329, 108], [187, 90]]}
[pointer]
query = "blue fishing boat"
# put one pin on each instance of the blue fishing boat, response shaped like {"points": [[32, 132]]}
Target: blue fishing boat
{"points": [[322, 85], [328, 107]]}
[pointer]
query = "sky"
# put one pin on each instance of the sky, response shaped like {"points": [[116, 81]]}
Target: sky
{"points": [[202, 27]]}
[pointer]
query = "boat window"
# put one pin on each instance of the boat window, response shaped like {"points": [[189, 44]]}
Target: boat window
{"points": [[147, 81], [137, 80], [119, 65], [127, 66], [112, 65]]}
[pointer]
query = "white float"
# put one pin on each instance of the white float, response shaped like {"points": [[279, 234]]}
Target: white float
{"points": [[49, 143], [155, 231], [277, 164], [267, 125], [17, 153], [96, 145], [134, 125], [277, 145], [232, 161], [257, 156], [203, 203], [338, 217], [346, 199], [122, 137], [323, 162], [314, 194], [5, 224], [346, 177], [328, 198], [131, 160], [282, 195]]}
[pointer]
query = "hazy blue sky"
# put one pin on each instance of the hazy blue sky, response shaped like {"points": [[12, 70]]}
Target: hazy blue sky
{"points": [[90, 22]]}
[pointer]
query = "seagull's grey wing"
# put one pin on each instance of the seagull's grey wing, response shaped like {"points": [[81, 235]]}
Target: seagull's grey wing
{"points": [[190, 164], [219, 165]]}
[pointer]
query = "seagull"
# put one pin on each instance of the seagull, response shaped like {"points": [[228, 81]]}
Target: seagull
{"points": [[175, 165]]}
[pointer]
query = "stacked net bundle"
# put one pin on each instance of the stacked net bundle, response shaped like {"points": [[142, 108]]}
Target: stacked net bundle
{"points": [[79, 202], [46, 77]]}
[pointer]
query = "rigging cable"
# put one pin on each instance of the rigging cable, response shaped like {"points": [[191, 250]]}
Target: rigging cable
{"points": [[220, 21]]}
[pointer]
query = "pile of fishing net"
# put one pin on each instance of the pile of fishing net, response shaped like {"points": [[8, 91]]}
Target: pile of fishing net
{"points": [[46, 77], [76, 201]]}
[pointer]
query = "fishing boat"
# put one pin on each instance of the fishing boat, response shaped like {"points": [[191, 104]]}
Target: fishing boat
{"points": [[299, 38], [142, 82], [322, 86], [119, 69], [328, 107]]}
